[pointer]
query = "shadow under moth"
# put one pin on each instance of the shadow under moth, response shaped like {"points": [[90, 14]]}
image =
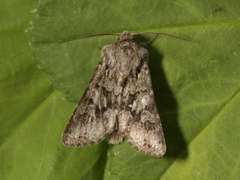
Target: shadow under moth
{"points": [[119, 101]]}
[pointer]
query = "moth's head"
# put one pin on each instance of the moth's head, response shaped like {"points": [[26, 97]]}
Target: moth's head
{"points": [[126, 35]]}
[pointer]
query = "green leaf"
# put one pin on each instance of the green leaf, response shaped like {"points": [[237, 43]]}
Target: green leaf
{"points": [[32, 114], [196, 83]]}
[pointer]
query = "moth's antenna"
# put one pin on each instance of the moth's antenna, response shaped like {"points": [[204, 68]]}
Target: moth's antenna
{"points": [[160, 33], [89, 36]]}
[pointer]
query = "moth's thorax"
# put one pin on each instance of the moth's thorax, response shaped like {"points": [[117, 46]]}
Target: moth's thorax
{"points": [[124, 56]]}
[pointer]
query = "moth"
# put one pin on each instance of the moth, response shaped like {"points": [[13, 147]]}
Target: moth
{"points": [[119, 101]]}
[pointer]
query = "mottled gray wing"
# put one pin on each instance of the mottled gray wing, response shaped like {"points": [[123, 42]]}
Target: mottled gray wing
{"points": [[140, 121], [92, 120]]}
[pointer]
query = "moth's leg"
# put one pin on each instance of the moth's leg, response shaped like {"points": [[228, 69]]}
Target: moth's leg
{"points": [[99, 48], [148, 42], [155, 91]]}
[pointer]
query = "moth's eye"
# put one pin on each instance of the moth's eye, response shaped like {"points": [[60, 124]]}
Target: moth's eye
{"points": [[118, 38], [134, 38]]}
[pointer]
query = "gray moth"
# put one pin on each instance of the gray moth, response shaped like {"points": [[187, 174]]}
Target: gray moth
{"points": [[119, 102]]}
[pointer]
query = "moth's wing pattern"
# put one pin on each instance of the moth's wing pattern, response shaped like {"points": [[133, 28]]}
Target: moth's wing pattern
{"points": [[140, 122], [91, 121]]}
